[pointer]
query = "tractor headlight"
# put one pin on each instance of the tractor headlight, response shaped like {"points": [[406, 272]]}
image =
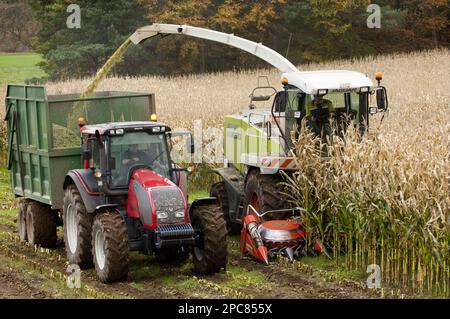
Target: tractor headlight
{"points": [[162, 215], [179, 214]]}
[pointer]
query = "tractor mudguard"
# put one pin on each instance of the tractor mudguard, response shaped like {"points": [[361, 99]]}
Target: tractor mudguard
{"points": [[87, 185], [234, 185]]}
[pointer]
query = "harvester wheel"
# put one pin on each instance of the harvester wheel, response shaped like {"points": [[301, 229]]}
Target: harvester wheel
{"points": [[264, 193], [219, 191], [77, 229], [110, 247], [41, 225], [22, 219], [210, 253]]}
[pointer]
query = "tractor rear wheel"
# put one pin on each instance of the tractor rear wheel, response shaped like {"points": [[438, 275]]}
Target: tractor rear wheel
{"points": [[77, 229], [210, 253], [40, 225], [110, 247], [22, 219], [264, 193], [219, 191]]}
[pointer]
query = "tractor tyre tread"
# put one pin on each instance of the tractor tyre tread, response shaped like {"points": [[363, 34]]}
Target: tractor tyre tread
{"points": [[83, 255], [41, 225], [116, 247], [210, 220], [219, 191]]}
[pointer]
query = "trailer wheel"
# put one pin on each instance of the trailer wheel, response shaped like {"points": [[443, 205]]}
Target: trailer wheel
{"points": [[210, 252], [263, 192], [77, 229], [219, 191], [40, 225], [22, 219], [110, 247]]}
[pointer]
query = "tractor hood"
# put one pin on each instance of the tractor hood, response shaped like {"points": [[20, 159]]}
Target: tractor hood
{"points": [[155, 200]]}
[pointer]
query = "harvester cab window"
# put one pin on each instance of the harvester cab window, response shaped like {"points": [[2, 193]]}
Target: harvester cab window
{"points": [[137, 149]]}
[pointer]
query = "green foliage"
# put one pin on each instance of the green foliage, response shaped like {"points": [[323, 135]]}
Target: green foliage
{"points": [[309, 30], [80, 52]]}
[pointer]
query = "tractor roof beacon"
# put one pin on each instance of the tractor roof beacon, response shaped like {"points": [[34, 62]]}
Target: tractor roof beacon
{"points": [[259, 142]]}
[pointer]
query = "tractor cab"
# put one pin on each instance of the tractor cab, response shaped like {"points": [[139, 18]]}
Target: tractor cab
{"points": [[115, 150]]}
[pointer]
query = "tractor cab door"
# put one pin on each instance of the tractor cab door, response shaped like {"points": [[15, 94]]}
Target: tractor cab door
{"points": [[348, 107], [287, 113]]}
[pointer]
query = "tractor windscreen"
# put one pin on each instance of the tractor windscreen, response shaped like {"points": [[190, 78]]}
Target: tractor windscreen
{"points": [[137, 149]]}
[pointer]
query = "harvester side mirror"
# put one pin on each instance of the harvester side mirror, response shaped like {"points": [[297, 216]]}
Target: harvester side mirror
{"points": [[381, 99], [191, 145]]}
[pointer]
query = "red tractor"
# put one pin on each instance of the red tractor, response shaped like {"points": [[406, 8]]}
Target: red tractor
{"points": [[131, 196]]}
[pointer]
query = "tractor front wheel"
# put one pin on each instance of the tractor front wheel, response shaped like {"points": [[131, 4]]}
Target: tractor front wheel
{"points": [[219, 191], [110, 247], [210, 252]]}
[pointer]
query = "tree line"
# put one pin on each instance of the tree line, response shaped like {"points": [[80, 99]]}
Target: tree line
{"points": [[304, 31]]}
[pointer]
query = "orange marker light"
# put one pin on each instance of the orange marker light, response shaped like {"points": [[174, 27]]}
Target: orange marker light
{"points": [[153, 117], [378, 76], [284, 81], [81, 121]]}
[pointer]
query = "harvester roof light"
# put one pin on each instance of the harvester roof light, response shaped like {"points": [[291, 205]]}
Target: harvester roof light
{"points": [[119, 131], [322, 91], [364, 89], [378, 76], [156, 129], [112, 132], [153, 117]]}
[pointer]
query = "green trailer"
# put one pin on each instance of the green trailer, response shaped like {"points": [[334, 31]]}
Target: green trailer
{"points": [[44, 139]]}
